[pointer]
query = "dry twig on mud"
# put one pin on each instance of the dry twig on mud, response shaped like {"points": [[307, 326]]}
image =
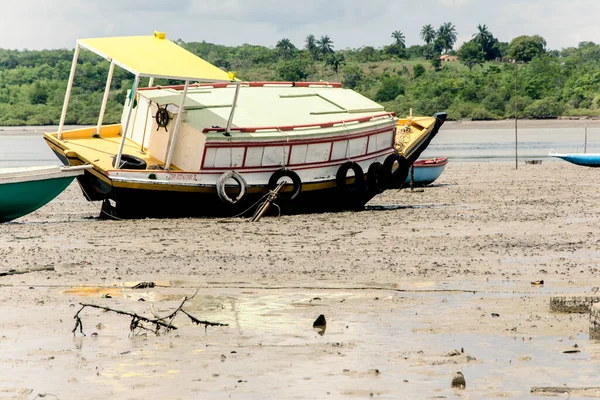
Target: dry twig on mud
{"points": [[27, 270], [137, 321]]}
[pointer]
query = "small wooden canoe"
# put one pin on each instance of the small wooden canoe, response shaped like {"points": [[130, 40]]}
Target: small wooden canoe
{"points": [[24, 190], [427, 171]]}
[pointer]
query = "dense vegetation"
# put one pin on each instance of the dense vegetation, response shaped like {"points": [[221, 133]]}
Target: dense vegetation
{"points": [[479, 86]]}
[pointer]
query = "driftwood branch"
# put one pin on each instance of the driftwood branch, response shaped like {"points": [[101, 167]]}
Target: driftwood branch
{"points": [[137, 321], [26, 270]]}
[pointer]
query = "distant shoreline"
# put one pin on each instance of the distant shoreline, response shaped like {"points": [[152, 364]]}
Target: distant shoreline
{"points": [[41, 129], [450, 125], [523, 124]]}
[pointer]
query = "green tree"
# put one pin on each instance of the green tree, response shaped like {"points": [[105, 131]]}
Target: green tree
{"points": [[285, 48], [310, 44], [39, 94], [325, 45], [367, 54], [431, 52], [414, 51], [525, 48], [471, 54], [428, 34], [297, 69], [399, 39], [483, 36], [489, 44], [418, 70], [395, 50], [390, 88], [335, 61], [543, 108], [353, 76], [446, 35], [500, 49]]}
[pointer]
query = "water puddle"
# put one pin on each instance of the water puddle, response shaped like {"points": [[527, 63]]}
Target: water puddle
{"points": [[396, 340]]}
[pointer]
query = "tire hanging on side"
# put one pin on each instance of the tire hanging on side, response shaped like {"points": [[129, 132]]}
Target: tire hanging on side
{"points": [[296, 182], [221, 190], [394, 178], [375, 178], [342, 175]]}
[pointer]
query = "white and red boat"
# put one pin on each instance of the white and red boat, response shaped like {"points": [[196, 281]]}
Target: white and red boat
{"points": [[216, 148]]}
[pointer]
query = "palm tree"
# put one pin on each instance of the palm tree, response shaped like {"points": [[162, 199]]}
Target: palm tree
{"points": [[311, 45], [487, 41], [447, 35], [483, 36], [285, 48], [325, 45], [335, 61], [428, 33], [399, 38]]}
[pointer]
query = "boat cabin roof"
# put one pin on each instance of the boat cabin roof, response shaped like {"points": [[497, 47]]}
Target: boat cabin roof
{"points": [[210, 107], [155, 56]]}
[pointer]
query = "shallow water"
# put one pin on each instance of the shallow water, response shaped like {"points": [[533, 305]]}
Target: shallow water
{"points": [[27, 149], [499, 144]]}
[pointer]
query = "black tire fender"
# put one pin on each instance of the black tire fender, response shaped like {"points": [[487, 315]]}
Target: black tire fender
{"points": [[221, 183], [394, 178], [296, 181], [129, 162], [375, 178], [342, 174]]}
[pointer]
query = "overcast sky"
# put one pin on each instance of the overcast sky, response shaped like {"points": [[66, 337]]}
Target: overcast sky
{"points": [[52, 24]]}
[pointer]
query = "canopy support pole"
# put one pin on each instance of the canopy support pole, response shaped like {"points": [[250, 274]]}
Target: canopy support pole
{"points": [[151, 81], [124, 130], [235, 99], [177, 125], [63, 115], [105, 98]]}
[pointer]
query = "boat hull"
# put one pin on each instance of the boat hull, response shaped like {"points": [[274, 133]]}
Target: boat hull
{"points": [[427, 171], [157, 192], [140, 199], [19, 197], [586, 159], [132, 203]]}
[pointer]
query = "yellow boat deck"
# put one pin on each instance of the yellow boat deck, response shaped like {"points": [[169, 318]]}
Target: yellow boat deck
{"points": [[99, 150], [411, 132]]}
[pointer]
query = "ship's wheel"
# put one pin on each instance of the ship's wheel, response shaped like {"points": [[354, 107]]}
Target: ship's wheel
{"points": [[162, 118]]}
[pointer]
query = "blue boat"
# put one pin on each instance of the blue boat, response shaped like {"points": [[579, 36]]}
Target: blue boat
{"points": [[427, 171], [585, 159]]}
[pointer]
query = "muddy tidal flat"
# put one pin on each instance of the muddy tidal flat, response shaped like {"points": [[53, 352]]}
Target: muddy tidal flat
{"points": [[421, 285]]}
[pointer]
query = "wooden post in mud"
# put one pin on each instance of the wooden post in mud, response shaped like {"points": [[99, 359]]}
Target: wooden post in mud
{"points": [[516, 119]]}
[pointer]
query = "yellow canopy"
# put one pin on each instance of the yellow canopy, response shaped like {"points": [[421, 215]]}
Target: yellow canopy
{"points": [[154, 56]]}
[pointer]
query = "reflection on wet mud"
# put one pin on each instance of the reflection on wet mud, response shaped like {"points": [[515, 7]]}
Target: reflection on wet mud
{"points": [[407, 337]]}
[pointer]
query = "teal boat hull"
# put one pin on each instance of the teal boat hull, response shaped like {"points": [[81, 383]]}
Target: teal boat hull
{"points": [[24, 190], [21, 198]]}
